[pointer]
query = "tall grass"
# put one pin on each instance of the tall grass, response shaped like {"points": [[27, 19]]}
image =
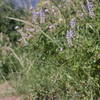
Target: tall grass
{"points": [[61, 59]]}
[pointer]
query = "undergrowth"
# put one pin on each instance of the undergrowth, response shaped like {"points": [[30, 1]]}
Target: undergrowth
{"points": [[61, 59]]}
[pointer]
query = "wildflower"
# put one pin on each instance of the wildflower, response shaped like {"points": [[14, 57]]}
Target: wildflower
{"points": [[42, 16], [90, 8], [35, 15], [69, 36], [46, 10], [73, 22], [17, 27], [61, 49]]}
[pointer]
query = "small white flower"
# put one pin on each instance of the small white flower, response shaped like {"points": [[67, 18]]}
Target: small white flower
{"points": [[31, 8], [17, 27], [61, 49], [46, 10]]}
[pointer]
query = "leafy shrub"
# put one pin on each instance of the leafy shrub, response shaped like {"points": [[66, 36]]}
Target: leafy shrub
{"points": [[7, 25], [8, 34], [51, 66]]}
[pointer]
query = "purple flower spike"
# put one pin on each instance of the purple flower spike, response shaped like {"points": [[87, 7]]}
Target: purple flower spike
{"points": [[35, 16], [90, 8], [40, 14], [35, 13], [69, 36]]}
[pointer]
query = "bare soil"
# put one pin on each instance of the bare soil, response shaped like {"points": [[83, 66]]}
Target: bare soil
{"points": [[7, 92]]}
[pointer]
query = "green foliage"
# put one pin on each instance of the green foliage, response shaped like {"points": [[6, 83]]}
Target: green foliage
{"points": [[8, 34], [8, 26], [48, 68]]}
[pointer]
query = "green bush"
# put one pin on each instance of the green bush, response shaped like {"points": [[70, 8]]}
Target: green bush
{"points": [[7, 26], [50, 68], [8, 34]]}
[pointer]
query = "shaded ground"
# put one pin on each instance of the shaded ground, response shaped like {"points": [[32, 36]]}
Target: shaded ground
{"points": [[7, 92]]}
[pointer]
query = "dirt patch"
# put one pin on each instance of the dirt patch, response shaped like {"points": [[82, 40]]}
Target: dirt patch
{"points": [[10, 98], [6, 89], [7, 92]]}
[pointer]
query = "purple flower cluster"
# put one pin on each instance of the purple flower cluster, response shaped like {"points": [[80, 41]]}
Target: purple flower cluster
{"points": [[90, 8], [69, 36], [71, 33], [34, 16], [40, 14]]}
